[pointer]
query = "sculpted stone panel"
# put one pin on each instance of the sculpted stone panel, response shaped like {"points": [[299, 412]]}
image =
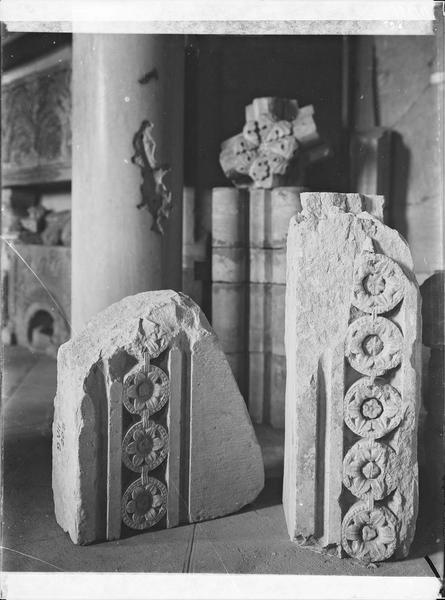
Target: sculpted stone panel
{"points": [[36, 123]]}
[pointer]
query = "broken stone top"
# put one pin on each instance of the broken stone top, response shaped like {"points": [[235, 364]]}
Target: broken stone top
{"points": [[146, 322], [277, 141], [325, 204]]}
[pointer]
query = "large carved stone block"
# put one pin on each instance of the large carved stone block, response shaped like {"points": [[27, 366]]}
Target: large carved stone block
{"points": [[150, 429], [352, 338]]}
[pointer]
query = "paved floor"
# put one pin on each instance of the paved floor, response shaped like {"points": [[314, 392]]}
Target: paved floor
{"points": [[252, 541]]}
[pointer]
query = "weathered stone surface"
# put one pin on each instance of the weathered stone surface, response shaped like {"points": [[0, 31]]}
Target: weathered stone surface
{"points": [[350, 475], [189, 451]]}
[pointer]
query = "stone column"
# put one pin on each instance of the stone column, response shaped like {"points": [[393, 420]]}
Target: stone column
{"points": [[127, 151]]}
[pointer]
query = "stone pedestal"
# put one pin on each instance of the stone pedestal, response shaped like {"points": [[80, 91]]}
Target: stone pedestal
{"points": [[127, 152], [353, 379], [150, 429], [249, 230]]}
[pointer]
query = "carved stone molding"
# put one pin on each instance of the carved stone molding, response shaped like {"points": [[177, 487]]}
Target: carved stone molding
{"points": [[350, 310], [379, 283], [146, 390], [144, 446], [373, 345], [369, 468], [369, 535], [144, 504], [372, 409]]}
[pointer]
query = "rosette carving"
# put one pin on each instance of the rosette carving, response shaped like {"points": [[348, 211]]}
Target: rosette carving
{"points": [[373, 345], [144, 445], [369, 534], [379, 283], [372, 408], [144, 504], [369, 468], [146, 390]]}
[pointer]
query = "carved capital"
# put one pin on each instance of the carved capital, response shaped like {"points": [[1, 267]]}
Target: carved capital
{"points": [[271, 150]]}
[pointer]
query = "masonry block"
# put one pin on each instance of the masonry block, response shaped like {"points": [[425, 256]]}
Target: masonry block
{"points": [[150, 429]]}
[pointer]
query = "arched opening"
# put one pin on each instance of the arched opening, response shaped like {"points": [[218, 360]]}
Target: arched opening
{"points": [[40, 330]]}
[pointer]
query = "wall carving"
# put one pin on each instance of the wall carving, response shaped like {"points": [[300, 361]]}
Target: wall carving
{"points": [[156, 197], [36, 125]]}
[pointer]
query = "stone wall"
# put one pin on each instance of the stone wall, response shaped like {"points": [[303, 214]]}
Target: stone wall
{"points": [[398, 85]]}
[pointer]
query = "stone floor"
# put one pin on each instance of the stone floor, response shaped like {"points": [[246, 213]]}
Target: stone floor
{"points": [[252, 541]]}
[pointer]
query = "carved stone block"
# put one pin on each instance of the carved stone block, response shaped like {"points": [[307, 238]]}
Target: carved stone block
{"points": [[278, 140], [150, 429], [352, 337]]}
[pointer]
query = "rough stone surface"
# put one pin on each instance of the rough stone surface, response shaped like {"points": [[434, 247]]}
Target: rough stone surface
{"points": [[350, 475], [193, 408]]}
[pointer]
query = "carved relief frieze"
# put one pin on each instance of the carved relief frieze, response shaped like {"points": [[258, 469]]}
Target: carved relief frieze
{"points": [[36, 123], [373, 408], [145, 445]]}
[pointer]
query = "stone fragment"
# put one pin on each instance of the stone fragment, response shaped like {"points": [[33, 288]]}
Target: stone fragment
{"points": [[150, 367], [352, 339]]}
